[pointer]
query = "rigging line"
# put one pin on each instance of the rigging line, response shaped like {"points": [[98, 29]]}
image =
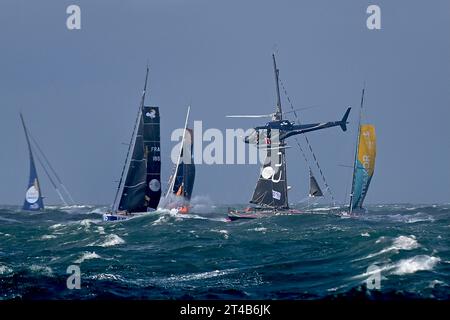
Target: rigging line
{"points": [[50, 178], [327, 187], [36, 144]]}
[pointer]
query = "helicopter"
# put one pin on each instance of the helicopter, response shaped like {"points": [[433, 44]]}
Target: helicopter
{"points": [[282, 129]]}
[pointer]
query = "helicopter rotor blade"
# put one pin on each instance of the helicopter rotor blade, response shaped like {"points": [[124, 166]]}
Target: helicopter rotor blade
{"points": [[251, 116]]}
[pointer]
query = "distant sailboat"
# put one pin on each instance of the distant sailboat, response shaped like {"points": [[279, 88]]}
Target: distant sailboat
{"points": [[33, 196], [139, 187], [364, 164], [181, 182], [314, 189]]}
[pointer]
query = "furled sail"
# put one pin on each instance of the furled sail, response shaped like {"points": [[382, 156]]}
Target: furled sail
{"points": [[152, 147], [33, 196], [271, 188], [364, 165], [314, 189], [185, 173]]}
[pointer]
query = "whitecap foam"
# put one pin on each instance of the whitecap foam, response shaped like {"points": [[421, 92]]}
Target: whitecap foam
{"points": [[365, 234], [399, 243], [224, 232], [48, 237], [56, 226], [5, 269], [199, 276], [112, 240], [41, 269], [260, 229], [414, 264], [87, 256], [107, 276]]}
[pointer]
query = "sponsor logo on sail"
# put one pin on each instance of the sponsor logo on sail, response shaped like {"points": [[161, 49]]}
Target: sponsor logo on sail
{"points": [[154, 185], [32, 195], [276, 195], [267, 172], [151, 114]]}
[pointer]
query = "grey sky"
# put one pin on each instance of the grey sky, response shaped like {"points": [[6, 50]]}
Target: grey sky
{"points": [[79, 90]]}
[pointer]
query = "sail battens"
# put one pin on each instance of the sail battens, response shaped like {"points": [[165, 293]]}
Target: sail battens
{"points": [[136, 185]]}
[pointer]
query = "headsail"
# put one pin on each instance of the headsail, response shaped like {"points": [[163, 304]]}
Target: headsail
{"points": [[364, 165], [33, 197], [152, 147], [314, 189], [185, 173]]}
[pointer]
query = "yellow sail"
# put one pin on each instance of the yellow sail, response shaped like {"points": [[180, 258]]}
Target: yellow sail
{"points": [[365, 164]]}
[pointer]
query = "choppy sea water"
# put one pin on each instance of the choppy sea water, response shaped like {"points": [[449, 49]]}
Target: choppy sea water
{"points": [[203, 256]]}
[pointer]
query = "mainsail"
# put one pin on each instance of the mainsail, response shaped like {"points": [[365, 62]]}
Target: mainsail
{"points": [[314, 189], [271, 188], [364, 165], [33, 197], [185, 172], [152, 147], [140, 183]]}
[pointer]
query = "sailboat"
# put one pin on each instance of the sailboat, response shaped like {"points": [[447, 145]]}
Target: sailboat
{"points": [[314, 188], [33, 196], [139, 189], [271, 192], [363, 165], [34, 200], [181, 182]]}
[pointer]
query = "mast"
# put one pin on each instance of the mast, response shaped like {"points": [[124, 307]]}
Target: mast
{"points": [[172, 182], [126, 167], [278, 114], [356, 151]]}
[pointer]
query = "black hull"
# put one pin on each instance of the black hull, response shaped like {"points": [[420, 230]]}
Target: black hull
{"points": [[254, 213]]}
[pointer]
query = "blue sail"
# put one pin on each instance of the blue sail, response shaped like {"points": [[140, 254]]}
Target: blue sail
{"points": [[33, 196]]}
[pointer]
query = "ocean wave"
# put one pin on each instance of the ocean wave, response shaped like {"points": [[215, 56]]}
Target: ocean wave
{"points": [[414, 264], [56, 226], [402, 267], [112, 240], [399, 243], [87, 256]]}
